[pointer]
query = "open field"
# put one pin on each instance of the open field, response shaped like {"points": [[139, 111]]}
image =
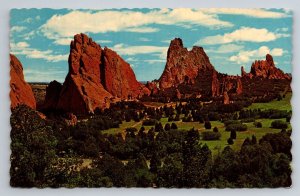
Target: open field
{"points": [[283, 104], [217, 145]]}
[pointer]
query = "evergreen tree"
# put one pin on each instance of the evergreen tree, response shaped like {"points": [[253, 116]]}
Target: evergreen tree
{"points": [[233, 134]]}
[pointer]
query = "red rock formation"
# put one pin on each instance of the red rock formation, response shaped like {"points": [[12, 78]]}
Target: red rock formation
{"points": [[244, 73], [52, 95], [266, 69], [71, 119], [215, 87], [95, 76], [183, 65], [153, 87], [82, 91], [118, 78], [20, 91], [239, 86], [178, 94], [226, 98]]}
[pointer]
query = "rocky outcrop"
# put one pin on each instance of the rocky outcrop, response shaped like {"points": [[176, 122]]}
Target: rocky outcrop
{"points": [[231, 84], [71, 119], [244, 73], [95, 77], [153, 87], [82, 91], [20, 90], [52, 94], [192, 72], [226, 98], [178, 94], [183, 65], [118, 77], [239, 86], [215, 84], [266, 69]]}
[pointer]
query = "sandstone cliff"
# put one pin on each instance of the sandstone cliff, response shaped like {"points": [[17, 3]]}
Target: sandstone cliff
{"points": [[183, 65], [265, 69], [20, 90], [95, 76]]}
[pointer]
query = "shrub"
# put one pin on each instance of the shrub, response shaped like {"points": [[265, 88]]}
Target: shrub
{"points": [[279, 124], [188, 118], [158, 127], [254, 140], [174, 126], [177, 118], [257, 124], [167, 127], [207, 125], [233, 134], [149, 122], [230, 141], [236, 127], [210, 135], [170, 119], [216, 129]]}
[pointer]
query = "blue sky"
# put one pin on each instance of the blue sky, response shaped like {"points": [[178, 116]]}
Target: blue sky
{"points": [[232, 38]]}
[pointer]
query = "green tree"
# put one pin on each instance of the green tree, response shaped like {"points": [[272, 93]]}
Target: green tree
{"points": [[174, 126], [170, 174], [230, 141], [207, 125], [167, 127], [233, 134], [33, 149], [155, 163]]}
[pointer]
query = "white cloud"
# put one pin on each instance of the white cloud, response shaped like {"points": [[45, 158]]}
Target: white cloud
{"points": [[67, 25], [17, 29], [23, 48], [19, 45], [29, 35], [34, 75], [143, 30], [283, 29], [247, 56], [256, 13], [134, 50], [277, 52], [246, 34], [132, 59], [168, 41], [143, 39], [153, 61], [63, 41]]}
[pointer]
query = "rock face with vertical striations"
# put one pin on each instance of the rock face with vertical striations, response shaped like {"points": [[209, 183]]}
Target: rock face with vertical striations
{"points": [[183, 65], [192, 72], [118, 77], [82, 91], [20, 90], [95, 76]]}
